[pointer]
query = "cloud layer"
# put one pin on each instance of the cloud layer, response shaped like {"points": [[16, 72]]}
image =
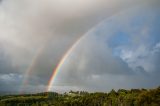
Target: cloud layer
{"points": [[122, 52], [37, 34]]}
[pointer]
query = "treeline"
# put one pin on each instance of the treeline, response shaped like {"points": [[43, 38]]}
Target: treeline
{"points": [[122, 97]]}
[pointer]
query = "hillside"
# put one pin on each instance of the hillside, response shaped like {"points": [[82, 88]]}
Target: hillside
{"points": [[122, 97]]}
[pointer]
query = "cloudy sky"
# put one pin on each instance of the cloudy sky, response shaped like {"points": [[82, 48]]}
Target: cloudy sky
{"points": [[119, 44]]}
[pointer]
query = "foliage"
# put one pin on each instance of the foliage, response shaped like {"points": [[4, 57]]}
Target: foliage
{"points": [[122, 97]]}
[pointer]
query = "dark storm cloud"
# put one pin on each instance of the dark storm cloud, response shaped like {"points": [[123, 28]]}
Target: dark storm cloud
{"points": [[10, 82]]}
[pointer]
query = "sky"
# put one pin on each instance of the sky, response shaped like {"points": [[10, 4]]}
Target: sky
{"points": [[118, 44]]}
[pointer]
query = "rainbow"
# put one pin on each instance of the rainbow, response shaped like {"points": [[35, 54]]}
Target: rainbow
{"points": [[29, 70], [58, 67], [55, 71], [67, 54], [60, 64]]}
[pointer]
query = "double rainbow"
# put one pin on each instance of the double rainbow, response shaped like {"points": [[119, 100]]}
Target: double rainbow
{"points": [[55, 71]]}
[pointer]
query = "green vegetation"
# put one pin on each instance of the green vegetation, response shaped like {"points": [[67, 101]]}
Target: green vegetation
{"points": [[122, 97]]}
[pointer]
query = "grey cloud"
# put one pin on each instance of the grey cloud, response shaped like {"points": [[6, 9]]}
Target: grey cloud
{"points": [[10, 83], [91, 60], [92, 65], [72, 28], [26, 26], [6, 65]]}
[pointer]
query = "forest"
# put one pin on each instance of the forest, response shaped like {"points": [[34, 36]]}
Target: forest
{"points": [[121, 97]]}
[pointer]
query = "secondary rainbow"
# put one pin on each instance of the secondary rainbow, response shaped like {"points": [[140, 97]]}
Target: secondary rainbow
{"points": [[30, 68]]}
